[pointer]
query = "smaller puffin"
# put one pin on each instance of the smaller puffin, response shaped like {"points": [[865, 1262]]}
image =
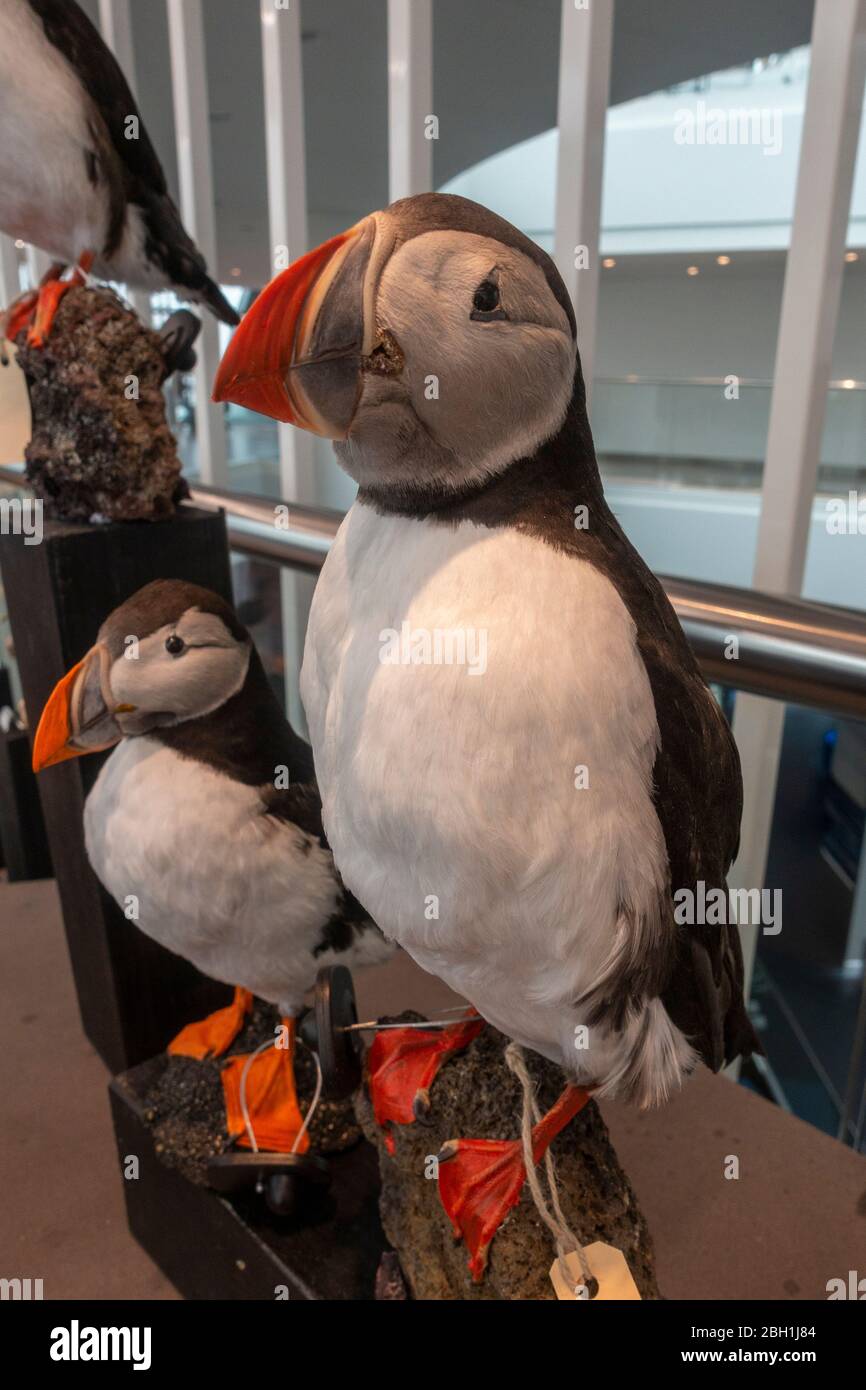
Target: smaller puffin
{"points": [[79, 176], [206, 816]]}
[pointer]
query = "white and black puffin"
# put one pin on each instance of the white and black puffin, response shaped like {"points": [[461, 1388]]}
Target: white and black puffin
{"points": [[435, 344], [79, 176], [206, 814]]}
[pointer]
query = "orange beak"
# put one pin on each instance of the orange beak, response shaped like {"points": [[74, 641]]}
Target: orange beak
{"points": [[77, 719], [296, 355]]}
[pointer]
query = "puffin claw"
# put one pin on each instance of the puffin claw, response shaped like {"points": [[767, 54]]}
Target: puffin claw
{"points": [[402, 1064], [421, 1105]]}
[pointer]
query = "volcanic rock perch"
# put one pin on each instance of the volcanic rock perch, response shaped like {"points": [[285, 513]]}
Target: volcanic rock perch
{"points": [[101, 446], [476, 1094]]}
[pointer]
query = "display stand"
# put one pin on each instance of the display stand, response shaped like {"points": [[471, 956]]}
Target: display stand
{"points": [[212, 1247], [22, 829], [133, 994]]}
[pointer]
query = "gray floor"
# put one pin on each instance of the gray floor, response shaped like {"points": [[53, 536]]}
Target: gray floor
{"points": [[62, 1218]]}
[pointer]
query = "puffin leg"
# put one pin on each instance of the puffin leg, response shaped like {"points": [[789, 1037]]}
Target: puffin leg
{"points": [[266, 1081], [402, 1064], [51, 290], [480, 1180], [212, 1036]]}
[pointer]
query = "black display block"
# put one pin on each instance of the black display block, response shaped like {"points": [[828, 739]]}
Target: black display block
{"points": [[22, 829], [211, 1247], [133, 994]]}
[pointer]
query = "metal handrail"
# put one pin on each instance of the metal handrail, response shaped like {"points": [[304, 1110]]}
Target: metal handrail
{"points": [[758, 382], [784, 648]]}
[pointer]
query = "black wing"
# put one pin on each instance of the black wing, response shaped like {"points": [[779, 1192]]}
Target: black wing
{"points": [[68, 28], [301, 805], [698, 796], [131, 167]]}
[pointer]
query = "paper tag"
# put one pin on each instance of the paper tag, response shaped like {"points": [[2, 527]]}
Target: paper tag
{"points": [[609, 1267]]}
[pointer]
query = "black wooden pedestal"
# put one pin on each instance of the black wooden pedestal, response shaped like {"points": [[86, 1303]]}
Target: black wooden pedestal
{"points": [[214, 1248], [22, 827], [133, 994]]}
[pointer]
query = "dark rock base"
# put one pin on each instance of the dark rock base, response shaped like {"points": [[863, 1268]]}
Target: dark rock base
{"points": [[101, 445], [476, 1096], [185, 1108]]}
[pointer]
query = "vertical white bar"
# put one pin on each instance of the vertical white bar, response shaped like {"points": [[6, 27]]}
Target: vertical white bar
{"points": [[10, 279], [807, 329], [287, 221], [287, 191], [192, 133], [410, 97], [115, 21], [37, 263], [586, 39]]}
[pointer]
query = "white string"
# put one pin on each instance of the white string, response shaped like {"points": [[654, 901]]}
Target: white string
{"points": [[564, 1238], [248, 1124], [316, 1096]]}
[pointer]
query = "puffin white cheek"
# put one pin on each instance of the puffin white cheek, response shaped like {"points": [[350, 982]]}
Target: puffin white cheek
{"points": [[186, 686], [500, 387]]}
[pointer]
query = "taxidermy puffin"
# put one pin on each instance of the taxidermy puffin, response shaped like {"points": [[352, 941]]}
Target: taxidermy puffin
{"points": [[206, 816], [519, 826], [79, 177]]}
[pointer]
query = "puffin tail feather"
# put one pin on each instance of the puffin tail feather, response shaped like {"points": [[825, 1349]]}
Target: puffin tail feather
{"points": [[169, 246]]}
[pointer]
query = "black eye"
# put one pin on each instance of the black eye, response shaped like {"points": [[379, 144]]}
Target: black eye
{"points": [[174, 644], [485, 302]]}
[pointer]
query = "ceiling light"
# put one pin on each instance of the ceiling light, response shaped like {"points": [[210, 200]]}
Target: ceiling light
{"points": [[692, 270], [723, 260], [851, 256], [609, 262]]}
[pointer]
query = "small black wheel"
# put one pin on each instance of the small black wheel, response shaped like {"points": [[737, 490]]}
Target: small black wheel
{"points": [[286, 1180], [339, 1052], [287, 1187]]}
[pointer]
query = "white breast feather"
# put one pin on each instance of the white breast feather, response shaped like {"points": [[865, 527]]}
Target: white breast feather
{"points": [[443, 787], [242, 895], [45, 195]]}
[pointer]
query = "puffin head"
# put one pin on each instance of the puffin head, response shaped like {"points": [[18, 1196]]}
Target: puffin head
{"points": [[433, 342], [173, 652]]}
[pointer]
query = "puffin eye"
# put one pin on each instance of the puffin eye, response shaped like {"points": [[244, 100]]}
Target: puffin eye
{"points": [[485, 303], [174, 645]]}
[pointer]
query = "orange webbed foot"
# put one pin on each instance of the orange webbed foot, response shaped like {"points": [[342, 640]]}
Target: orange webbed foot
{"points": [[51, 291], [480, 1180], [19, 314], [214, 1035], [402, 1064], [272, 1109]]}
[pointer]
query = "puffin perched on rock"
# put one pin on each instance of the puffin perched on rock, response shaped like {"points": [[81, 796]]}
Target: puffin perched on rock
{"points": [[206, 815], [79, 177], [520, 825]]}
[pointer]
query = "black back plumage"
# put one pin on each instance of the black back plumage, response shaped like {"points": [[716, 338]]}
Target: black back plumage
{"points": [[130, 167]]}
